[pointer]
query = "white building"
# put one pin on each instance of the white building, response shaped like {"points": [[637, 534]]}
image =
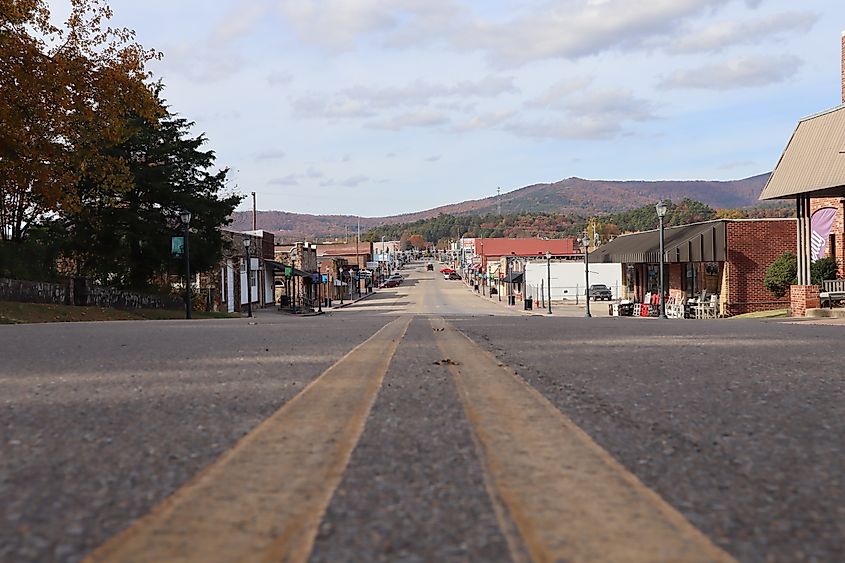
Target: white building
{"points": [[568, 279]]}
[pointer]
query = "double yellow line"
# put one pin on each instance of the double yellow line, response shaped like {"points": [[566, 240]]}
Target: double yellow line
{"points": [[558, 496]]}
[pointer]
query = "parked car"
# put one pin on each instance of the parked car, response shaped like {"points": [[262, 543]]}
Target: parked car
{"points": [[600, 292], [454, 276], [447, 270]]}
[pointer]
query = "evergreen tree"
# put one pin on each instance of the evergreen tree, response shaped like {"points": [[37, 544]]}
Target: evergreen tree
{"points": [[121, 235]]}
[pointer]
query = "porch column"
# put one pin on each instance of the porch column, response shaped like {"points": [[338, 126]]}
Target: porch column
{"points": [[803, 247]]}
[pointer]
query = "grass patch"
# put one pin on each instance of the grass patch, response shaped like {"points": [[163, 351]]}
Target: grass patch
{"points": [[20, 313], [774, 314]]}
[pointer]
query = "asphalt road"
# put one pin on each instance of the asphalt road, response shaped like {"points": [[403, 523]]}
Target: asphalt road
{"points": [[735, 424]]}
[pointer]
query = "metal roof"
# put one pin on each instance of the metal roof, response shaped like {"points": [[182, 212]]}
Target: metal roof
{"points": [[697, 242], [813, 162]]}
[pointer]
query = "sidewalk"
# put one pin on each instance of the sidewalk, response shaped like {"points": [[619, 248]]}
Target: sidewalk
{"points": [[561, 309]]}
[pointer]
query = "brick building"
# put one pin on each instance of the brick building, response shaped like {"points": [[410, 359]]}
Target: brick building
{"points": [[727, 257], [811, 171]]}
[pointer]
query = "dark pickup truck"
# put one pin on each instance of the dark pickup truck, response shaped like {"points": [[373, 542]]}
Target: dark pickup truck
{"points": [[600, 292]]}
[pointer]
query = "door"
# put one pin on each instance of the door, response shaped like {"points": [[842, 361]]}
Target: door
{"points": [[230, 286]]}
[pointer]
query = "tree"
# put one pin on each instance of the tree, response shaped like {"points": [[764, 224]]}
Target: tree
{"points": [[781, 274], [65, 93], [417, 241], [121, 235]]}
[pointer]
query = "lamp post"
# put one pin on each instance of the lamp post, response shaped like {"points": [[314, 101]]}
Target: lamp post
{"points": [[549, 278], [248, 284], [585, 244], [185, 215], [661, 213]]}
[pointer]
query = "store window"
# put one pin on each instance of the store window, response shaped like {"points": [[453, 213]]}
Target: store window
{"points": [[691, 279]]}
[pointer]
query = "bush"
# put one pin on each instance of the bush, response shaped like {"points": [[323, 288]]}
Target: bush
{"points": [[823, 269], [784, 272], [781, 274]]}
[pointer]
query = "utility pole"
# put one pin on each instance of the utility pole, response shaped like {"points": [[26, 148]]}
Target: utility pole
{"points": [[254, 214], [358, 255], [499, 199]]}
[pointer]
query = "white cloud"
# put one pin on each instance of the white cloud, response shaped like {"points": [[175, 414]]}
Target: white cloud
{"points": [[421, 118], [240, 21], [731, 74], [723, 34], [484, 121], [270, 155], [574, 29]]}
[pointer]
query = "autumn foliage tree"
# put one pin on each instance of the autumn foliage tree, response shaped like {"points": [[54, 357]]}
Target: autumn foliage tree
{"points": [[66, 95]]}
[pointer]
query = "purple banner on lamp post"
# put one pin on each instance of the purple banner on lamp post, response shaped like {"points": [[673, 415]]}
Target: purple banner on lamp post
{"points": [[821, 224]]}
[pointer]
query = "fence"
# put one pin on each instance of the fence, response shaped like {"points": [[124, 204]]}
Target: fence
{"points": [[80, 291]]}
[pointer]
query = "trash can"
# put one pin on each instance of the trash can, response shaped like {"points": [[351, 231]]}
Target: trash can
{"points": [[511, 299], [529, 303]]}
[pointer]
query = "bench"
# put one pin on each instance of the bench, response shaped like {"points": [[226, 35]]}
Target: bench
{"points": [[832, 290]]}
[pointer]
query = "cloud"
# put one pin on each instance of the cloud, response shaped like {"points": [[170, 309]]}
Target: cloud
{"points": [[582, 128], [278, 77], [434, 158], [363, 101], [580, 114], [270, 155], [556, 92], [351, 182], [721, 35], [289, 180], [422, 118], [576, 29], [240, 21], [314, 106], [489, 120], [294, 179], [731, 74], [338, 24]]}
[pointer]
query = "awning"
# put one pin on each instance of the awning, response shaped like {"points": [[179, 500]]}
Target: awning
{"points": [[698, 242], [513, 277], [278, 266], [813, 162]]}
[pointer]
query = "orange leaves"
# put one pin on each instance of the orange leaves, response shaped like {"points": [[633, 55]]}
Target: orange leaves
{"points": [[66, 96]]}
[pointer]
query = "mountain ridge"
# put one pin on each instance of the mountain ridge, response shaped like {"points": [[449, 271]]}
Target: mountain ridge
{"points": [[571, 195]]}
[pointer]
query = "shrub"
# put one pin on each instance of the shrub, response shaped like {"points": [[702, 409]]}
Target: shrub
{"points": [[823, 269], [781, 274]]}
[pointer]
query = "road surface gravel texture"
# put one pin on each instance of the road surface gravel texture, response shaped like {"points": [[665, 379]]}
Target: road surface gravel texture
{"points": [[413, 490], [101, 421], [738, 424]]}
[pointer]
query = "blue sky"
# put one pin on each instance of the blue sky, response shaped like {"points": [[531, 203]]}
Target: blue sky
{"points": [[377, 107]]}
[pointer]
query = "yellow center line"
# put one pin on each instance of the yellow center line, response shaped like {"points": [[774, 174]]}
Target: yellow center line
{"points": [[569, 499], [263, 499]]}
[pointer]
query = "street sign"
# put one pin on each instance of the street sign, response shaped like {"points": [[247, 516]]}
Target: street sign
{"points": [[288, 272], [177, 247], [325, 278]]}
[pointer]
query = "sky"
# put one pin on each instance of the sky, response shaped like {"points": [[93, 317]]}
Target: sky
{"points": [[380, 107]]}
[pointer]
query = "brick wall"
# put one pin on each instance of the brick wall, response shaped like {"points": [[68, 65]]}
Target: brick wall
{"points": [[843, 67], [675, 274], [752, 247], [803, 297]]}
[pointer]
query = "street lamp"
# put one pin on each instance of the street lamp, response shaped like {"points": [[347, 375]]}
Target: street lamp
{"points": [[185, 215], [549, 278], [248, 284], [585, 244], [661, 213]]}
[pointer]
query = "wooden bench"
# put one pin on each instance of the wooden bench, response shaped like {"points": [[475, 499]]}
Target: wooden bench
{"points": [[832, 290]]}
